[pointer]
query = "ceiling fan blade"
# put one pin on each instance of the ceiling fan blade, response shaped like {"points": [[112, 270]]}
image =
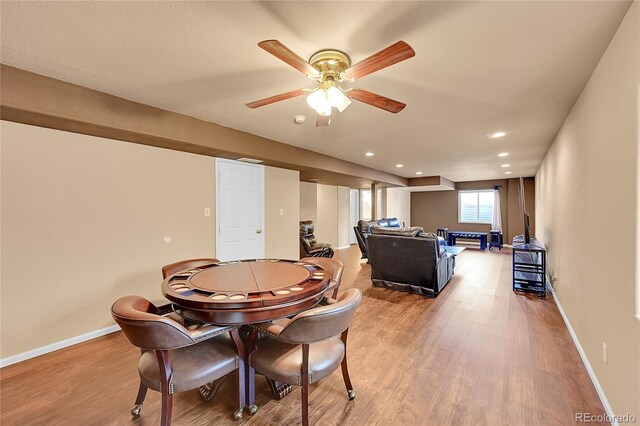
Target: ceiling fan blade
{"points": [[277, 98], [376, 100], [393, 54], [283, 53], [323, 120]]}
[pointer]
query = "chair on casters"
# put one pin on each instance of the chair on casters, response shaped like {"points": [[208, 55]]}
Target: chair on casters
{"points": [[334, 268], [308, 348], [175, 359]]}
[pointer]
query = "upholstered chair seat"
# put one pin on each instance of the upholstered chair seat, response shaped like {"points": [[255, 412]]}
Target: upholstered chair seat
{"points": [[280, 361], [193, 366]]}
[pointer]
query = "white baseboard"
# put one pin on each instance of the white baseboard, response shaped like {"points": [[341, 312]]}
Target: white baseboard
{"points": [[57, 345], [343, 247], [585, 360]]}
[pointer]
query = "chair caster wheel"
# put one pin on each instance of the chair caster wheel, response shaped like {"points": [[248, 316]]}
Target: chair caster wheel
{"points": [[352, 395], [253, 409], [135, 411], [237, 415]]}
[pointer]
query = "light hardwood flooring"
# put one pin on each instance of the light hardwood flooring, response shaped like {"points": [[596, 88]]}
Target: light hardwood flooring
{"points": [[478, 354]]}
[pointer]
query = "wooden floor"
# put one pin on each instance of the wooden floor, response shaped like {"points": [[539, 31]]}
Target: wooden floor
{"points": [[478, 354]]}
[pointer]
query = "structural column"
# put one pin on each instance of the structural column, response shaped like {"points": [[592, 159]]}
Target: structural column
{"points": [[374, 202]]}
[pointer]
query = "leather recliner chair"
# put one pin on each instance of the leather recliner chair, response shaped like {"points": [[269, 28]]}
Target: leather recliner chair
{"points": [[309, 247], [363, 230], [408, 261]]}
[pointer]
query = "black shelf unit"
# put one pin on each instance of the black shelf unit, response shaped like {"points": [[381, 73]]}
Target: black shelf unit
{"points": [[529, 260]]}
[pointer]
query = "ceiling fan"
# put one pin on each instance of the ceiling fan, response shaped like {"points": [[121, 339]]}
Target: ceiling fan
{"points": [[330, 68]]}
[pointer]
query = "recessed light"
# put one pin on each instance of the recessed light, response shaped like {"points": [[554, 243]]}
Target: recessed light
{"points": [[399, 165], [507, 173], [506, 165], [418, 173], [503, 154], [498, 134], [369, 154]]}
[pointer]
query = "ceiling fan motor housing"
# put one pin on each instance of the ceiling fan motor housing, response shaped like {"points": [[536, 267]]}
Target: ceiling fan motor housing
{"points": [[330, 63]]}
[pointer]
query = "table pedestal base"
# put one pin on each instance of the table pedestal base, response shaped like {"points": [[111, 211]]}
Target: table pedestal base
{"points": [[208, 391], [280, 390]]}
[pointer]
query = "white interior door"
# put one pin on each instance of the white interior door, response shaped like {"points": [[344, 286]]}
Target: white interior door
{"points": [[239, 210], [354, 212]]}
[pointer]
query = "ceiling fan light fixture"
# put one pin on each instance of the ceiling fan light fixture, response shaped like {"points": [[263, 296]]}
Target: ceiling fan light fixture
{"points": [[337, 98], [325, 110]]}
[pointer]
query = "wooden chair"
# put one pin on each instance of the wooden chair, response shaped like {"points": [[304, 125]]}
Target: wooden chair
{"points": [[308, 348], [332, 266], [174, 358], [172, 268]]}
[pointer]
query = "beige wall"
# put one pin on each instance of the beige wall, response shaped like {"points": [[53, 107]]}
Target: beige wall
{"points": [[281, 213], [435, 209], [327, 224], [399, 205], [83, 222], [587, 211], [309, 201], [343, 220], [328, 207]]}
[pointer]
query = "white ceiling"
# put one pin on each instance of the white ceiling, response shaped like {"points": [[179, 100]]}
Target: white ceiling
{"points": [[479, 67]]}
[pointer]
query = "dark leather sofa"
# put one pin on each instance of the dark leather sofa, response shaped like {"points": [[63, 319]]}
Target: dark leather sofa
{"points": [[309, 247], [363, 230], [407, 259]]}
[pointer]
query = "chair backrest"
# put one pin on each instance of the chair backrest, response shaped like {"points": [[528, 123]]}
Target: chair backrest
{"points": [[307, 239], [322, 322], [306, 231], [139, 321], [172, 268], [398, 259], [331, 266]]}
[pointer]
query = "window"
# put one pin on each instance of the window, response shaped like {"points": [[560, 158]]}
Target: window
{"points": [[475, 206]]}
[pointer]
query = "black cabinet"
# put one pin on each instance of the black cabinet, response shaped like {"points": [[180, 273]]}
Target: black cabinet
{"points": [[529, 262]]}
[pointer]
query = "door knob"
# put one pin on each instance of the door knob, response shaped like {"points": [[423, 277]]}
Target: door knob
{"points": [[258, 231]]}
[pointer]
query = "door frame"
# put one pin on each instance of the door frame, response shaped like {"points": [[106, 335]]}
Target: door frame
{"points": [[216, 187]]}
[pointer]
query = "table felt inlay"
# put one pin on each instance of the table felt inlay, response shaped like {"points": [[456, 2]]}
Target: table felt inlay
{"points": [[249, 277]]}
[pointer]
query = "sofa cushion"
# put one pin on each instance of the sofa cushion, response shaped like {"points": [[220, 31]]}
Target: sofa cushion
{"points": [[393, 222], [402, 232]]}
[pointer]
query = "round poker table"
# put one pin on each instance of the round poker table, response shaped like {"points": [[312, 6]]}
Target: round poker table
{"points": [[248, 291]]}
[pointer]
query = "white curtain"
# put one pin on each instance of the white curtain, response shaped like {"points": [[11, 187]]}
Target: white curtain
{"points": [[496, 222]]}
